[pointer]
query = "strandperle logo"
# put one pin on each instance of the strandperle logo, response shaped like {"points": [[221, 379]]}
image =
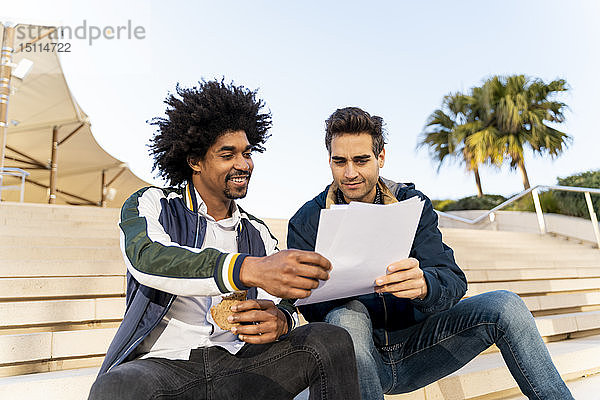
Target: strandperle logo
{"points": [[85, 31]]}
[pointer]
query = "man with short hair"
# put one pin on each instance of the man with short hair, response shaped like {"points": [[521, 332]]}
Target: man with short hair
{"points": [[188, 245], [413, 330]]}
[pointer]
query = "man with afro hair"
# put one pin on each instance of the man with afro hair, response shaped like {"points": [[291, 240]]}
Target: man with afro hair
{"points": [[188, 246]]}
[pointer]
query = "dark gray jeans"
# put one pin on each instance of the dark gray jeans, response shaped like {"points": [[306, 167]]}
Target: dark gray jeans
{"points": [[319, 356]]}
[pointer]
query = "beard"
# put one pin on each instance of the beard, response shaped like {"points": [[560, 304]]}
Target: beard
{"points": [[233, 196], [238, 193]]}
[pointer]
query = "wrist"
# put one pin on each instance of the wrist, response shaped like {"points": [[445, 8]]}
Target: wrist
{"points": [[247, 271], [285, 322]]}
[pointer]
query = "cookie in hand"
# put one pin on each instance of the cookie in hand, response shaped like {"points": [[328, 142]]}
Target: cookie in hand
{"points": [[221, 311]]}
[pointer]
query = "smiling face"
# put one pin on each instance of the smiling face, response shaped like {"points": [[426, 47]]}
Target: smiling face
{"points": [[354, 167], [225, 171]]}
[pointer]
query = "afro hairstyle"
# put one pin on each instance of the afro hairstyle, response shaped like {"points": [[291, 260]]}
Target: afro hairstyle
{"points": [[196, 117]]}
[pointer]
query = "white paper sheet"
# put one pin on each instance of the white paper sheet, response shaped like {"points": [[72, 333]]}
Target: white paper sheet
{"points": [[361, 240]]}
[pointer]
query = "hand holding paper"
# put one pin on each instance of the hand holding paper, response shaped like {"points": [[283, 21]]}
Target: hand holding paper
{"points": [[404, 279], [361, 240]]}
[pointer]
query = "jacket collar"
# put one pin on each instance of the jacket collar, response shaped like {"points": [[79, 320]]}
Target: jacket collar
{"points": [[194, 202]]}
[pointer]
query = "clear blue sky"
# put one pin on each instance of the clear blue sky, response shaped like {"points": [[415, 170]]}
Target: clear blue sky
{"points": [[394, 59]]}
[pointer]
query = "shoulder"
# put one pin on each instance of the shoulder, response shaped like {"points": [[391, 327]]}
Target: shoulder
{"points": [[148, 197], [155, 192], [404, 191], [260, 225]]}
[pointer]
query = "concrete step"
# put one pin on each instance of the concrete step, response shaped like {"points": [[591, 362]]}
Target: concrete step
{"points": [[486, 377], [23, 220], [67, 267], [34, 288], [515, 239], [47, 239], [28, 347], [479, 233], [500, 237], [59, 385], [483, 255], [521, 267], [522, 245], [565, 300], [66, 231], [31, 253], [532, 249], [586, 387], [37, 367], [491, 275], [523, 262], [8, 208], [25, 313], [544, 243], [551, 325], [519, 262], [536, 286]]}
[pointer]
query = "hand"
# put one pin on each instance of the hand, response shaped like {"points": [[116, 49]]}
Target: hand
{"points": [[404, 279], [269, 322], [288, 274]]}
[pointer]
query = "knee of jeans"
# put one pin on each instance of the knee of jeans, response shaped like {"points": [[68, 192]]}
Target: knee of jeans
{"points": [[326, 337], [363, 354], [105, 387], [510, 308], [352, 316], [115, 385]]}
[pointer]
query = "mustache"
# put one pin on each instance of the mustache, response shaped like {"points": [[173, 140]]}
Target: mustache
{"points": [[237, 174], [352, 181]]}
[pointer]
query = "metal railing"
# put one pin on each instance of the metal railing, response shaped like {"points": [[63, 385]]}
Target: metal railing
{"points": [[16, 172], [538, 207]]}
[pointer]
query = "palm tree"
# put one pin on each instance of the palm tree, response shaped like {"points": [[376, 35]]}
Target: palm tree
{"points": [[519, 110], [446, 131]]}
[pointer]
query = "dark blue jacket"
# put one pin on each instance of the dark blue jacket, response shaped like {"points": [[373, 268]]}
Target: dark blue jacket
{"points": [[446, 283]]}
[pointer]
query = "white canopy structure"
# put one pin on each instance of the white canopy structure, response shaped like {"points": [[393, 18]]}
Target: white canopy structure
{"points": [[43, 115]]}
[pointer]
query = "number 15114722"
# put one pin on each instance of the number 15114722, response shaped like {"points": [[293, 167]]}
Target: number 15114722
{"points": [[45, 47]]}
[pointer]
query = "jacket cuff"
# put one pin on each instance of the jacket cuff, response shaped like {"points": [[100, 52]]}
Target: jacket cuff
{"points": [[227, 273], [433, 292]]}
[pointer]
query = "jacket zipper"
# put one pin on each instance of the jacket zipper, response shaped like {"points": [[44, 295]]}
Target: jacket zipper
{"points": [[385, 332], [197, 229]]}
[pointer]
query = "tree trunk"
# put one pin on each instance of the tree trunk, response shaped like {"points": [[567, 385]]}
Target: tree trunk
{"points": [[478, 182], [521, 164]]}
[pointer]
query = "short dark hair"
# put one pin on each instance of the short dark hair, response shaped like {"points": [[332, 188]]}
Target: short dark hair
{"points": [[196, 117], [354, 120]]}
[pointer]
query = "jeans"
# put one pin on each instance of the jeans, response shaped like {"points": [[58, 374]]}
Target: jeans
{"points": [[444, 342], [318, 356]]}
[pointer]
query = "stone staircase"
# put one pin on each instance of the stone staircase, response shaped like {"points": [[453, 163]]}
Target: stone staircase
{"points": [[558, 279], [62, 297]]}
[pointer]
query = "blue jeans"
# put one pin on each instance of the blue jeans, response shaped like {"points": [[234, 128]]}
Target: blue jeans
{"points": [[444, 342], [310, 356]]}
